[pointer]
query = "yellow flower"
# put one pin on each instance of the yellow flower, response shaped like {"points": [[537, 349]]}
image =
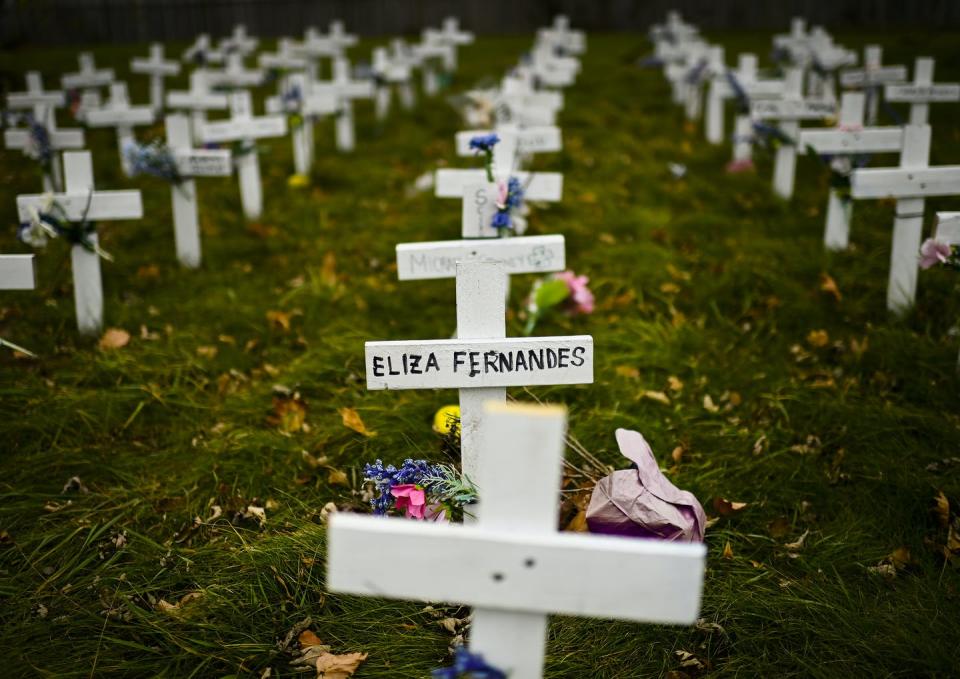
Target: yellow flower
{"points": [[447, 418], [298, 181]]}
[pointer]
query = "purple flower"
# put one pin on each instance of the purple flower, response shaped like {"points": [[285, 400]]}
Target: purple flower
{"points": [[484, 142], [468, 664], [934, 252], [501, 220]]}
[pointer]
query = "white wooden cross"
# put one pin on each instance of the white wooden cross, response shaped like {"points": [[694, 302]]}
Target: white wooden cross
{"points": [[450, 35], [43, 104], [311, 102], [481, 361], [789, 111], [245, 128], [346, 90], [512, 565], [119, 114], [239, 42], [157, 68], [518, 103], [922, 91], [388, 75], [202, 53], [871, 77], [197, 100], [190, 163], [317, 46], [849, 138], [17, 272], [89, 79], [909, 184], [948, 231], [82, 202], [405, 59], [550, 69], [427, 53], [235, 74], [479, 195], [720, 90], [714, 65], [562, 37]]}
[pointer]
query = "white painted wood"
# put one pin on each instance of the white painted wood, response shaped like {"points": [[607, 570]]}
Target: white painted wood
{"points": [[243, 126], [545, 186], [512, 565], [103, 206], [235, 74], [438, 259], [922, 91], [197, 100], [42, 103], [17, 272], [157, 68], [119, 114], [538, 139], [238, 42], [910, 184], [89, 76], [948, 228], [847, 139], [60, 139], [202, 52], [472, 363]]}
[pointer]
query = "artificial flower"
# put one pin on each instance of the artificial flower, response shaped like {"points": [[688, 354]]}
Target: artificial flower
{"points": [[934, 252], [467, 664], [411, 499], [583, 300], [484, 143], [447, 419], [298, 181]]}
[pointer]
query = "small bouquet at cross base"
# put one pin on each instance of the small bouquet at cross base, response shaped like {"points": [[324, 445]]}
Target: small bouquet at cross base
{"points": [[564, 291], [511, 211], [468, 665], [154, 159], [419, 490], [935, 252], [50, 220]]}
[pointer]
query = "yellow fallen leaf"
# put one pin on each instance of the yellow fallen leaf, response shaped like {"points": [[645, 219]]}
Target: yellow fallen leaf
{"points": [[818, 338], [674, 383], [942, 509], [627, 371], [175, 609], [657, 396], [207, 351], [709, 405], [677, 454], [331, 666], [725, 507], [279, 319], [669, 288], [289, 413], [829, 286], [328, 273], [727, 551], [114, 338], [337, 477], [351, 420]]}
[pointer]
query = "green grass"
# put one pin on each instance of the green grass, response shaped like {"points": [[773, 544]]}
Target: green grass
{"points": [[160, 433]]}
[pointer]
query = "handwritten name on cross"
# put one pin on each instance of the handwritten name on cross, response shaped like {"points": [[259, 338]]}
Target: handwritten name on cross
{"points": [[190, 163], [909, 185], [789, 111], [481, 362], [197, 100], [157, 68], [720, 90], [80, 202], [848, 140], [922, 91], [42, 105], [245, 128], [119, 114], [512, 565]]}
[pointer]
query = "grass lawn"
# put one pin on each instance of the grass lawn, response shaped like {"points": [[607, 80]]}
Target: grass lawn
{"points": [[834, 422]]}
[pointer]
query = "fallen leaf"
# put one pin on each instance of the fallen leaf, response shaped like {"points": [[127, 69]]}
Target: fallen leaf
{"points": [[798, 544], [760, 445], [818, 338], [327, 510], [628, 371], [728, 551], [114, 338], [175, 609], [677, 454], [726, 507], [328, 273], [829, 286], [450, 624], [289, 413], [207, 351], [674, 384], [74, 485], [351, 420], [779, 527], [279, 320], [337, 478], [688, 659], [657, 396], [669, 288], [331, 666], [148, 272], [308, 638], [709, 405], [942, 509]]}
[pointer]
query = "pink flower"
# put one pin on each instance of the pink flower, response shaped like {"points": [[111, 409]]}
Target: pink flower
{"points": [[436, 513], [934, 252], [583, 301], [502, 192], [738, 166], [411, 499]]}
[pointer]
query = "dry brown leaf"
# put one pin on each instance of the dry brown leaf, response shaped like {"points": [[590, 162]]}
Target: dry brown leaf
{"points": [[351, 420], [279, 320], [726, 507], [207, 351], [289, 413], [308, 638], [148, 272], [779, 527], [114, 338], [674, 384], [175, 609], [818, 338], [328, 273], [669, 288], [859, 348], [677, 454], [337, 478], [331, 666], [760, 445], [628, 371], [942, 509], [728, 551], [657, 396], [798, 544], [829, 286], [677, 274]]}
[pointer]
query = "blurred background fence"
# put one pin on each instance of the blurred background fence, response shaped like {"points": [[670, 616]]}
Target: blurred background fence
{"points": [[92, 21]]}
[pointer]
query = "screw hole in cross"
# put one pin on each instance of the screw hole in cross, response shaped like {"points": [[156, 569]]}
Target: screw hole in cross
{"points": [[497, 577], [529, 563]]}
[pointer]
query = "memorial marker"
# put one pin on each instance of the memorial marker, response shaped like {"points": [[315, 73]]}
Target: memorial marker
{"points": [[922, 91], [89, 79], [157, 68], [119, 114], [243, 127], [789, 111], [202, 53], [721, 89], [848, 140], [82, 203], [909, 184], [17, 273], [871, 77], [512, 565], [234, 74], [198, 100], [239, 42], [306, 101]]}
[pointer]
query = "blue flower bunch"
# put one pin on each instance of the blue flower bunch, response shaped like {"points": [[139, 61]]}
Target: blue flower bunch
{"points": [[292, 99], [739, 94], [513, 198], [484, 144], [38, 146], [418, 472], [467, 664], [770, 136], [154, 159]]}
